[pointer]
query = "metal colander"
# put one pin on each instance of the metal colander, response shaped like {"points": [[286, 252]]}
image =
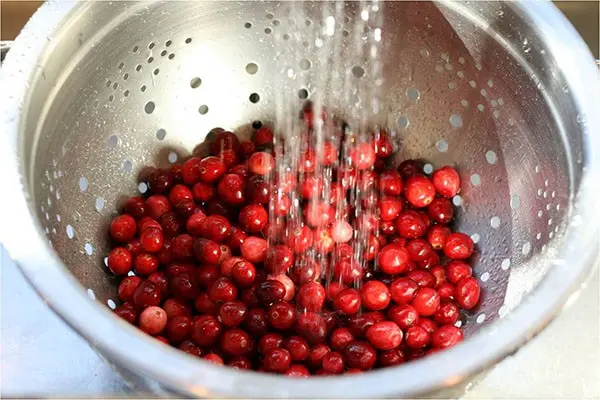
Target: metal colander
{"points": [[507, 92]]}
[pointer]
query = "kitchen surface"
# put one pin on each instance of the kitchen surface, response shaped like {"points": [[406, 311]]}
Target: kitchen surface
{"points": [[40, 356]]}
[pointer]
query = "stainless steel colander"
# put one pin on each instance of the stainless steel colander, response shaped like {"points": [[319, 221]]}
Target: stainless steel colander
{"points": [[94, 91]]}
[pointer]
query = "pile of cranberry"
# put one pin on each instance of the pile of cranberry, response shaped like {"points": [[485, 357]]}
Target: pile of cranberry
{"points": [[204, 268]]}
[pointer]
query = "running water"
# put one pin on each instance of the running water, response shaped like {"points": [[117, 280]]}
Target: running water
{"points": [[320, 152]]}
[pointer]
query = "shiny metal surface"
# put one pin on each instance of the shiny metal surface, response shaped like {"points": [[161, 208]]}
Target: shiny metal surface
{"points": [[87, 105]]}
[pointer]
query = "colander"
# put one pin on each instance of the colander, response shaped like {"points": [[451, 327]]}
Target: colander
{"points": [[92, 92]]}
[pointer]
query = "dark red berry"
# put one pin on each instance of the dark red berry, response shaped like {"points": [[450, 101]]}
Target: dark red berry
{"points": [[311, 297], [206, 330], [404, 316], [385, 335], [393, 259], [446, 181], [120, 261], [282, 315], [458, 246], [426, 301], [123, 228], [236, 342], [446, 336], [467, 293], [232, 313], [277, 360], [146, 294], [361, 355], [222, 291]]}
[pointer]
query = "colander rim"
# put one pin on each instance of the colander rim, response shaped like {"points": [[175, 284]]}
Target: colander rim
{"points": [[127, 346]]}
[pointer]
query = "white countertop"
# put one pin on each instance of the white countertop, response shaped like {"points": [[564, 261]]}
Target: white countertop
{"points": [[40, 356]]}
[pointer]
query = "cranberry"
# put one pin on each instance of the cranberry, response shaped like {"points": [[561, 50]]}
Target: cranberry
{"points": [[333, 363], [120, 261], [318, 214], [300, 239], [160, 280], [151, 240], [419, 191], [128, 312], [316, 355], [330, 153], [179, 193], [243, 273], [307, 161], [146, 294], [390, 357], [298, 348], [390, 183], [340, 338], [417, 337], [348, 271], [404, 316], [419, 250], [209, 169], [258, 190], [311, 186], [176, 173], [428, 325], [182, 247], [388, 228], [135, 206], [240, 362], [363, 155], [358, 324], [263, 136], [422, 277], [281, 315], [439, 273], [256, 322], [385, 335], [271, 291], [446, 336], [410, 224], [281, 205], [261, 163], [178, 328], [123, 228], [249, 296], [235, 239], [457, 270], [231, 189], [341, 231], [206, 275], [437, 236], [375, 295], [446, 181], [458, 246], [214, 358], [232, 313], [157, 205], [389, 208], [279, 259], [162, 339], [426, 301], [269, 342], [175, 308], [207, 251], [312, 327], [409, 168], [253, 218], [204, 305], [224, 140], [190, 171], [441, 210], [311, 296], [184, 286], [361, 355], [446, 291], [222, 291], [297, 370], [153, 320], [348, 301], [246, 149], [203, 192], [215, 227], [277, 360], [134, 247], [372, 248], [236, 342], [393, 259], [447, 314], [176, 269], [254, 249], [467, 293], [206, 330], [127, 287]]}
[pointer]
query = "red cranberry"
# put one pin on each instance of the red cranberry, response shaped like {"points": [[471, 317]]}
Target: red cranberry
{"points": [[263, 136], [363, 155], [236, 342], [175, 308], [428, 325], [383, 145], [127, 287], [340, 338], [190, 171], [409, 168], [222, 291], [224, 141], [232, 313], [160, 280], [231, 189], [410, 224], [318, 214], [184, 286], [439, 273], [277, 360], [312, 327], [206, 330], [165, 255], [146, 294], [134, 247], [203, 192], [135, 206], [467, 293], [179, 193], [190, 348], [147, 222], [333, 363], [361, 355], [348, 301], [214, 358], [446, 291], [210, 169], [341, 231], [419, 191], [316, 355], [385, 335], [269, 342], [281, 205], [422, 277], [447, 314], [176, 173], [417, 337], [246, 149], [207, 251], [330, 153], [249, 297], [254, 249], [157, 205], [204, 305], [128, 312], [261, 163], [123, 228], [235, 239], [281, 315], [388, 228], [426, 301], [446, 336], [182, 247], [120, 261], [393, 259], [300, 239], [243, 273], [419, 250], [206, 275], [270, 291], [458, 246], [297, 370], [404, 316], [311, 296], [307, 161], [437, 236], [446, 181], [375, 295], [311, 186], [151, 240], [298, 348], [389, 358], [176, 269], [215, 227], [178, 328], [258, 190], [390, 183], [389, 208], [279, 259], [256, 322], [457, 270], [333, 289], [348, 271], [441, 210], [253, 218], [240, 362], [358, 324]]}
